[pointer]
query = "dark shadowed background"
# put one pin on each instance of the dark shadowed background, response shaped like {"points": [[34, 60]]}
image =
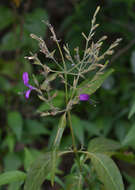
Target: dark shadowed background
{"points": [[23, 134]]}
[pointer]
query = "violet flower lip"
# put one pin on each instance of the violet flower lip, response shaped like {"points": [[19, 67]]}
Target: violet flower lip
{"points": [[84, 97], [26, 83]]}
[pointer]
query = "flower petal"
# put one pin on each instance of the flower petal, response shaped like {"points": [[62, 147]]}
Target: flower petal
{"points": [[25, 78], [84, 97], [27, 93], [30, 87]]}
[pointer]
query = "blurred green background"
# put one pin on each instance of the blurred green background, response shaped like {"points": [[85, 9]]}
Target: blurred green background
{"points": [[23, 134]]}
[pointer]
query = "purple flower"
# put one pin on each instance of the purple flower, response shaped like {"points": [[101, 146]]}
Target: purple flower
{"points": [[84, 97], [26, 83]]}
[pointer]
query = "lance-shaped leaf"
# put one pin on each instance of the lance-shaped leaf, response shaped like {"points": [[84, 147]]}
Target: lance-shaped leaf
{"points": [[89, 86], [130, 137], [54, 158], [11, 176], [103, 145], [37, 173], [107, 171], [132, 111], [60, 131], [56, 144], [15, 122]]}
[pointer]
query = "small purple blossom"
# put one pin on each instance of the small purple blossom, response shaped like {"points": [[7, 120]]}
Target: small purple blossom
{"points": [[84, 97], [26, 83]]}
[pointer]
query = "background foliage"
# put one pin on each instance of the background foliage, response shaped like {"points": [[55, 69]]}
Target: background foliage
{"points": [[23, 134]]}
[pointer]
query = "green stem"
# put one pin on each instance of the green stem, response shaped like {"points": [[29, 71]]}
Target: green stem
{"points": [[72, 133], [73, 142], [69, 116], [65, 69]]}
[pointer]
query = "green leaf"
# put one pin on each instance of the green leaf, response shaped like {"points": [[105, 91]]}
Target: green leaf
{"points": [[130, 137], [61, 127], [53, 165], [91, 128], [121, 129], [30, 155], [107, 171], [103, 145], [52, 135], [104, 124], [73, 182], [56, 144], [12, 161], [6, 17], [90, 86], [11, 176], [58, 101], [66, 142], [132, 111], [10, 41], [78, 128], [34, 127], [15, 185], [32, 24], [28, 158], [38, 172], [15, 122], [10, 142]]}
